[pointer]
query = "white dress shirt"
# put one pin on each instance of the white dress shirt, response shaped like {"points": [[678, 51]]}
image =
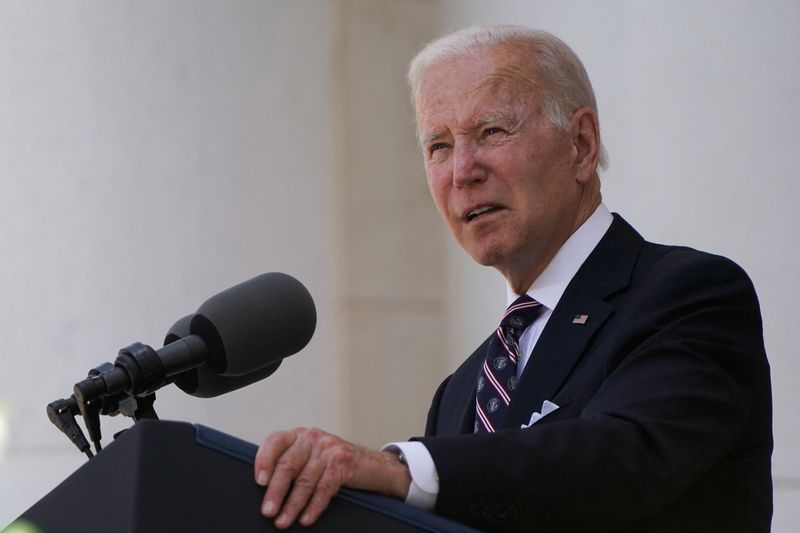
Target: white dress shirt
{"points": [[547, 290]]}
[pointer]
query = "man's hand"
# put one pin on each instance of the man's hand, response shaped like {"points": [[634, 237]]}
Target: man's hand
{"points": [[311, 465]]}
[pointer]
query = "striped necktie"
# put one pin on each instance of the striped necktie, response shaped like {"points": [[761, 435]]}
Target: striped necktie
{"points": [[498, 376]]}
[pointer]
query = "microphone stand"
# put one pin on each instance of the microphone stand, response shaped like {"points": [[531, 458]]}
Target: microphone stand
{"points": [[127, 388], [62, 413]]}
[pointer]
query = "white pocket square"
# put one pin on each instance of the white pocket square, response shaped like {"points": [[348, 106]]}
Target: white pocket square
{"points": [[547, 408]]}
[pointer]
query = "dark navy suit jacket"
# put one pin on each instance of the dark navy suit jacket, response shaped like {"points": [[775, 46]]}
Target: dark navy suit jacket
{"points": [[664, 421]]}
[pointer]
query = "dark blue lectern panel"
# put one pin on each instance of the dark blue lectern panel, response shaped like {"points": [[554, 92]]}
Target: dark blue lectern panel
{"points": [[172, 476]]}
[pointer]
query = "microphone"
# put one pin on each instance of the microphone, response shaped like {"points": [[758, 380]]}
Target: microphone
{"points": [[235, 338], [203, 382]]}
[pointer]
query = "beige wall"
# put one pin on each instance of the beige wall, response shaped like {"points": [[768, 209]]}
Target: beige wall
{"points": [[154, 153], [391, 304], [151, 154]]}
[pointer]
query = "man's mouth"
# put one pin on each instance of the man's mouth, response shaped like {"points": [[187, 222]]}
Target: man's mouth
{"points": [[475, 213]]}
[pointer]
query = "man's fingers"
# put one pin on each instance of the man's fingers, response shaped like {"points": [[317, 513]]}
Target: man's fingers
{"points": [[305, 485], [305, 464], [268, 453], [287, 468], [339, 462], [305, 468], [328, 485]]}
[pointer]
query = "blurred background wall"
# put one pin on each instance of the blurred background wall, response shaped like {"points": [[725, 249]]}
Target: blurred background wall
{"points": [[153, 153]]}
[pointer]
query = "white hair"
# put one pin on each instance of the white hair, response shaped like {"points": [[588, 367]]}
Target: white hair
{"points": [[560, 75]]}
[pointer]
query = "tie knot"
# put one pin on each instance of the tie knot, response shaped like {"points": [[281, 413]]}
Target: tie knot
{"points": [[521, 313]]}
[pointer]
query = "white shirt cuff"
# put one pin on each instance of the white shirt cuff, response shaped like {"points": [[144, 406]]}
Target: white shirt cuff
{"points": [[424, 487]]}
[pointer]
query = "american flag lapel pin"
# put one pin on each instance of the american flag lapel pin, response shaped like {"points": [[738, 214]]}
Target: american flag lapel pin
{"points": [[580, 319]]}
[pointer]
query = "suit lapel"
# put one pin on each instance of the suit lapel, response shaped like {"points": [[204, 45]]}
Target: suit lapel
{"points": [[560, 346], [582, 310]]}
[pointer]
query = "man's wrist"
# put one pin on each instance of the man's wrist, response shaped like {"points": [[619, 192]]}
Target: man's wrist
{"points": [[399, 475], [423, 488]]}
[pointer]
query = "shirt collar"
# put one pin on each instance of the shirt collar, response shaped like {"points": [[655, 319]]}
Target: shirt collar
{"points": [[553, 281]]}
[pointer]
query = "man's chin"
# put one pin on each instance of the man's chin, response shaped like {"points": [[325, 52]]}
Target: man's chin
{"points": [[486, 256]]}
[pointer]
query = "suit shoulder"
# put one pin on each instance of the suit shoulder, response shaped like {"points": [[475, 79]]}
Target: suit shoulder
{"points": [[655, 262], [659, 261], [676, 284]]}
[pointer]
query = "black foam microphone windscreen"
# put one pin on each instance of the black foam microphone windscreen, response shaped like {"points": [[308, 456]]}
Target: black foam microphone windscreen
{"points": [[203, 382], [255, 323], [246, 332]]}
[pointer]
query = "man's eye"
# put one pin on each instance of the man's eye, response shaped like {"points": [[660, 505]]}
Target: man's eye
{"points": [[437, 146], [492, 131]]}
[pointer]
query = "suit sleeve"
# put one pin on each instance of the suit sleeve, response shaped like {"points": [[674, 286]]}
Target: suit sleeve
{"points": [[433, 412], [678, 398]]}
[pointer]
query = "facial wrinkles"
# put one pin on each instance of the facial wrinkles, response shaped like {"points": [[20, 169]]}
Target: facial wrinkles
{"points": [[505, 97], [510, 79], [508, 119], [483, 110], [512, 90]]}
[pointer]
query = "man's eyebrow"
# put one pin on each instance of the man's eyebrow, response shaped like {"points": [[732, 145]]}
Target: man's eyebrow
{"points": [[507, 119], [432, 136]]}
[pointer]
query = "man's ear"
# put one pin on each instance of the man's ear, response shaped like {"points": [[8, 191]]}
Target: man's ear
{"points": [[585, 138]]}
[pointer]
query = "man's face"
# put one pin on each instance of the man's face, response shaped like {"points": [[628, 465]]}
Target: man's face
{"points": [[501, 176]]}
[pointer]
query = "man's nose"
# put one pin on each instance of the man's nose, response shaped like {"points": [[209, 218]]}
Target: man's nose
{"points": [[467, 167]]}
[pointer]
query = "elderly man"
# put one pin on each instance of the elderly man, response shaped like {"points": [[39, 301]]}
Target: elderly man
{"points": [[626, 388]]}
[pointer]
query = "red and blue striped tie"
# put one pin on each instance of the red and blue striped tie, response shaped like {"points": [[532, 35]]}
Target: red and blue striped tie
{"points": [[498, 376]]}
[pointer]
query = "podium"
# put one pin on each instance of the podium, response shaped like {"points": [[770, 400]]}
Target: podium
{"points": [[161, 476]]}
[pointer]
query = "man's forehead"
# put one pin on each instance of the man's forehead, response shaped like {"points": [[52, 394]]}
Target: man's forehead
{"points": [[507, 65], [496, 83], [511, 79], [496, 99]]}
